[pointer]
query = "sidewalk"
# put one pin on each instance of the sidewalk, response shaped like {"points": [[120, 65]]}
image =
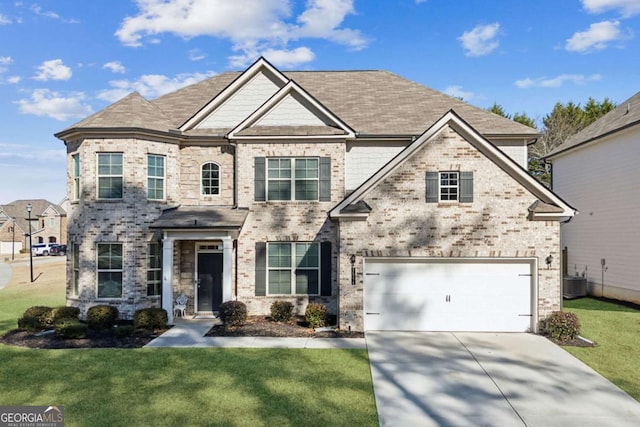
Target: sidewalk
{"points": [[5, 273], [190, 334]]}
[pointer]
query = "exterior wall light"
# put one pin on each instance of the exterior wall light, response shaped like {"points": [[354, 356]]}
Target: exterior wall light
{"points": [[352, 258], [549, 260]]}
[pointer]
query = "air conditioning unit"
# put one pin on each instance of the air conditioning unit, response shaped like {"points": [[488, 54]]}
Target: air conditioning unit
{"points": [[574, 287]]}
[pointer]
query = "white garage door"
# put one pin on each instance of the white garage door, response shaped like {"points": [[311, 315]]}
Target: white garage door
{"points": [[436, 295]]}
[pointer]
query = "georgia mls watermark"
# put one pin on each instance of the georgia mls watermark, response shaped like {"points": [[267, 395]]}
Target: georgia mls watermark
{"points": [[31, 416]]}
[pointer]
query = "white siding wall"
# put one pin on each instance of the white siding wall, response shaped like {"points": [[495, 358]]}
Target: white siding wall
{"points": [[244, 102], [602, 181], [363, 160], [517, 153], [290, 112]]}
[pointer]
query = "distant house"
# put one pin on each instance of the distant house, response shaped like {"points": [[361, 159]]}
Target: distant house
{"points": [[396, 206], [48, 224], [598, 169]]}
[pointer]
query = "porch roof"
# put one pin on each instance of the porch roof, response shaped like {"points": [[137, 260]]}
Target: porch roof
{"points": [[201, 217]]}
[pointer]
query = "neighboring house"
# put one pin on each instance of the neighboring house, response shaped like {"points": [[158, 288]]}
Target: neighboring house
{"points": [[395, 205], [48, 224], [597, 169]]}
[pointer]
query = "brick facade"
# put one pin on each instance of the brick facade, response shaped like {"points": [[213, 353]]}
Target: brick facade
{"points": [[402, 224]]}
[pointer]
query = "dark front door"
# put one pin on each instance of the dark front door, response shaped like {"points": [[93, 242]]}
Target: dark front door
{"points": [[209, 281]]}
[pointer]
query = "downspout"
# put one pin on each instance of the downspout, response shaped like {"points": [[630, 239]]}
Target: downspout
{"points": [[235, 206]]}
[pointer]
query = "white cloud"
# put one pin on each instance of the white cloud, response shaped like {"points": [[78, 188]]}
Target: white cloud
{"points": [[44, 102], [626, 8], [481, 40], [281, 57], [40, 12], [14, 79], [42, 153], [4, 61], [53, 70], [150, 85], [264, 25], [4, 20], [458, 92], [558, 81], [196, 55], [597, 37], [115, 66]]}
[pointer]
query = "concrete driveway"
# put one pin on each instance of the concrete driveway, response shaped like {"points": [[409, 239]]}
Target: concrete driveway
{"points": [[489, 379]]}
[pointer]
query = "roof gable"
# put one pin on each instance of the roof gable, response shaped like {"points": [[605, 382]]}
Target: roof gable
{"points": [[622, 117], [240, 98], [290, 109], [452, 120]]}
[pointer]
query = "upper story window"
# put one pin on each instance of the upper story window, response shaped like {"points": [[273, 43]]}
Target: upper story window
{"points": [[285, 178], [110, 180], [155, 177], [210, 179], [76, 176], [449, 186]]}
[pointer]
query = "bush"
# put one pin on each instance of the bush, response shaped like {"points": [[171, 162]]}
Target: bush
{"points": [[71, 328], [124, 331], [561, 326], [150, 318], [233, 313], [102, 316], [63, 312], [281, 311], [316, 315], [35, 318]]}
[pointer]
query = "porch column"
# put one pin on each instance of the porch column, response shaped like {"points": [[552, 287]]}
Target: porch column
{"points": [[167, 277], [227, 265]]}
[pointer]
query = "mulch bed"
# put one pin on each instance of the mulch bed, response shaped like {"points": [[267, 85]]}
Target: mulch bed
{"points": [[260, 326], [95, 339]]}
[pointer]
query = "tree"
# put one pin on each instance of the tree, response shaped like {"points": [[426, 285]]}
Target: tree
{"points": [[497, 109], [564, 121]]}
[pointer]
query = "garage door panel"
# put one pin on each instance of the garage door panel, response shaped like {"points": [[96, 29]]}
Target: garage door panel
{"points": [[448, 296]]}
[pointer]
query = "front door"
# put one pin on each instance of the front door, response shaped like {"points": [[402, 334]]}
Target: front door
{"points": [[209, 282]]}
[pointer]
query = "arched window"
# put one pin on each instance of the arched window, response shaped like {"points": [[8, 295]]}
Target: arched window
{"points": [[52, 239], [210, 179]]}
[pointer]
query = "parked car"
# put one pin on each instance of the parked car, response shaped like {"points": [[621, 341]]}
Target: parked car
{"points": [[58, 250], [41, 249]]}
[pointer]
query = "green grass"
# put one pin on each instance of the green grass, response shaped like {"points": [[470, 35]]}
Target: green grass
{"points": [[616, 330], [182, 387]]}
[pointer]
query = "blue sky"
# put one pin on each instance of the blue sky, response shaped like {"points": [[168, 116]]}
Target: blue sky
{"points": [[65, 59]]}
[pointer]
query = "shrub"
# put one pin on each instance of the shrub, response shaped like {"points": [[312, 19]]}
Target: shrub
{"points": [[233, 313], [102, 316], [316, 315], [561, 326], [150, 318], [64, 313], [71, 328], [35, 318], [281, 311], [124, 331]]}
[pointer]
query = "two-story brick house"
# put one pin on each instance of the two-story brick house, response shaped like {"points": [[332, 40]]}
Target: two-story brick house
{"points": [[395, 205]]}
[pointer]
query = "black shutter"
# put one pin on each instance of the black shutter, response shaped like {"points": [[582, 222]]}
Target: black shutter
{"points": [[324, 191], [325, 268], [259, 179], [466, 187], [432, 187], [261, 269]]}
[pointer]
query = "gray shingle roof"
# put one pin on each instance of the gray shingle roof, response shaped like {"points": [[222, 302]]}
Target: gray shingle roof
{"points": [[192, 217], [624, 115], [18, 210], [370, 102]]}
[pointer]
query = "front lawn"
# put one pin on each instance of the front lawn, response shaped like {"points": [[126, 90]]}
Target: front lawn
{"points": [[182, 387], [616, 330]]}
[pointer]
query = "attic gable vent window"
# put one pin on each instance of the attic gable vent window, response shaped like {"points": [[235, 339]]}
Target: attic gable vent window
{"points": [[449, 186]]}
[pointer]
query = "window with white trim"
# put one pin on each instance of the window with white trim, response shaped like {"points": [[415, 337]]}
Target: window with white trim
{"points": [[75, 253], [449, 186], [293, 268], [155, 177], [210, 179], [110, 270], [154, 269], [76, 176], [110, 180], [292, 178]]}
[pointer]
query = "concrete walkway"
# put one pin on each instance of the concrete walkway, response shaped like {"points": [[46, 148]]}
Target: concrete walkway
{"points": [[189, 333], [5, 274], [490, 379]]}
